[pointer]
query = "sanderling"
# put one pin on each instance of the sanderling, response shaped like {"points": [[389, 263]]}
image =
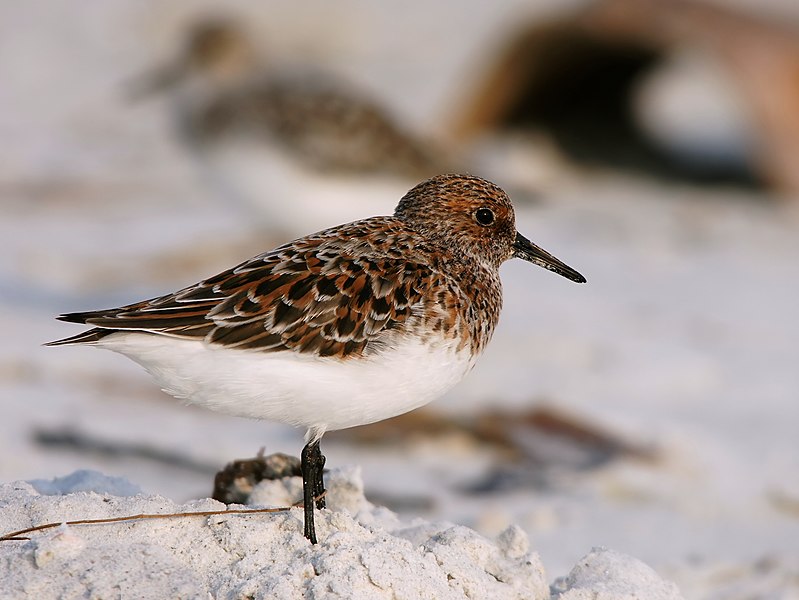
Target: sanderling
{"points": [[344, 327], [225, 88]]}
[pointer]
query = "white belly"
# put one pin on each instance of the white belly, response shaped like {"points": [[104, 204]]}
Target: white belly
{"points": [[252, 176], [318, 393]]}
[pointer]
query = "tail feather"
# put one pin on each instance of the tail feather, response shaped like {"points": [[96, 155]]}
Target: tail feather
{"points": [[79, 317], [87, 337]]}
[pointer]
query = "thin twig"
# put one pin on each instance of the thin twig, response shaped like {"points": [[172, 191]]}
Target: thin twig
{"points": [[15, 535]]}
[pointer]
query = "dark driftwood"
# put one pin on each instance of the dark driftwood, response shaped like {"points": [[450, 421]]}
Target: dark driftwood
{"points": [[623, 37]]}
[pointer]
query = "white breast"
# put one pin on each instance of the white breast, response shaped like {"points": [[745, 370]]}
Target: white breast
{"points": [[317, 393]]}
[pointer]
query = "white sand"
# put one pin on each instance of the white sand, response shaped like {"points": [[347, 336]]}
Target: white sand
{"points": [[364, 551]]}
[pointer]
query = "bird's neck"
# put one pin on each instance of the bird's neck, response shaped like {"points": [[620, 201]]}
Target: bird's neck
{"points": [[481, 287]]}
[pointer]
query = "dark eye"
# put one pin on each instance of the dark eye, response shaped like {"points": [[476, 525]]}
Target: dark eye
{"points": [[484, 216]]}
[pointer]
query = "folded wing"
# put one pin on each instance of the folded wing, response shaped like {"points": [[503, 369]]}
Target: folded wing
{"points": [[313, 298]]}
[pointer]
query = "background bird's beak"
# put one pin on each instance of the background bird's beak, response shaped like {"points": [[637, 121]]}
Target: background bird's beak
{"points": [[154, 81], [527, 250]]}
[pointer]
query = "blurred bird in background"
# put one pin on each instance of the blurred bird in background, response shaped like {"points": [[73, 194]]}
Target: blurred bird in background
{"points": [[264, 131]]}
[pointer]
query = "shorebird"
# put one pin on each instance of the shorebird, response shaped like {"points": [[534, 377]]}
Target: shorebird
{"points": [[344, 327]]}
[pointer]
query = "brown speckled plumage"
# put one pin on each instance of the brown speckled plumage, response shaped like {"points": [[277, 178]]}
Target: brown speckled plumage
{"points": [[431, 269]]}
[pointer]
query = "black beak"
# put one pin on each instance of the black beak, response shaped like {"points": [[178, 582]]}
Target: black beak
{"points": [[527, 250]]}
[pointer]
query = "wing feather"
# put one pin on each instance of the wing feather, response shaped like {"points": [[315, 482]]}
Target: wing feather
{"points": [[325, 295]]}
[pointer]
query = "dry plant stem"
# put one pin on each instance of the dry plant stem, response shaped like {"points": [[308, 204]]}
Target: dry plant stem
{"points": [[15, 535]]}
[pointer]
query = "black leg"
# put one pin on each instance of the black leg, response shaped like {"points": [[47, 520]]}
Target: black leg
{"points": [[319, 482], [313, 485]]}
